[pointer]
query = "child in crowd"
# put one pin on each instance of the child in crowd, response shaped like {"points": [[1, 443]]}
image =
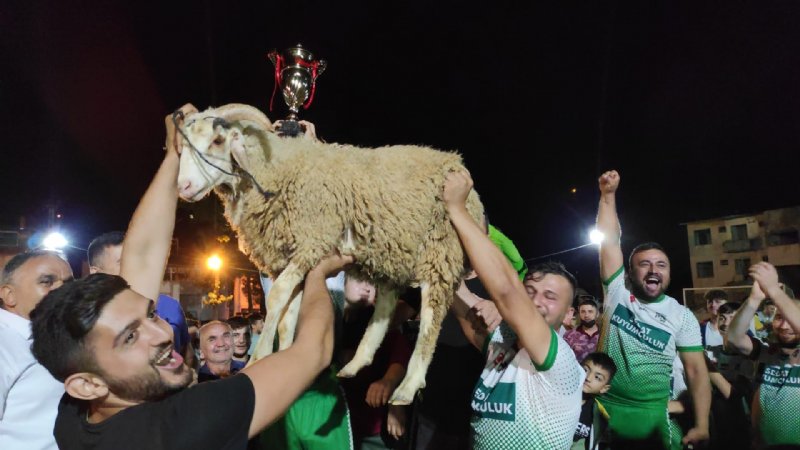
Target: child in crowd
{"points": [[600, 369]]}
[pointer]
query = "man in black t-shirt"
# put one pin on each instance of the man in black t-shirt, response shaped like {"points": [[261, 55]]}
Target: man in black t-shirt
{"points": [[126, 386]]}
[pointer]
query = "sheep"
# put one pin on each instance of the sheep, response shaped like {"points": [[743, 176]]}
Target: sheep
{"points": [[292, 200]]}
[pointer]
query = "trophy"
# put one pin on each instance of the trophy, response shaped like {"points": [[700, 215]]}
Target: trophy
{"points": [[296, 73]]}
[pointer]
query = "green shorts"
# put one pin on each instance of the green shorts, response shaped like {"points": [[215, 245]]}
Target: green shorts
{"points": [[646, 426], [318, 420]]}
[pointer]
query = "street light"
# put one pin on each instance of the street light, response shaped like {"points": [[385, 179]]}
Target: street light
{"points": [[54, 241], [214, 263], [596, 236]]}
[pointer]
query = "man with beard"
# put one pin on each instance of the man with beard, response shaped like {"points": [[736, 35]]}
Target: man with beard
{"points": [[776, 403], [125, 382], [583, 339], [643, 332], [216, 349]]}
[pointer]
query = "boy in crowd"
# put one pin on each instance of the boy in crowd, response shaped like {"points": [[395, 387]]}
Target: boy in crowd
{"points": [[600, 369]]}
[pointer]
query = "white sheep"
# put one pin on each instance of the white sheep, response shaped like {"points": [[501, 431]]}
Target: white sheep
{"points": [[293, 200]]}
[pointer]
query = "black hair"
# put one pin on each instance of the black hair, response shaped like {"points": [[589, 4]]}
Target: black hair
{"points": [[554, 268], [100, 243], [63, 319], [728, 308], [239, 322], [588, 301], [603, 360], [715, 294], [254, 317], [643, 248]]}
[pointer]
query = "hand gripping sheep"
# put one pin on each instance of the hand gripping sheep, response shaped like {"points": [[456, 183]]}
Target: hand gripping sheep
{"points": [[293, 200]]}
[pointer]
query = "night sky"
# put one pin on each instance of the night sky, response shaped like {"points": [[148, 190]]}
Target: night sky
{"points": [[695, 103]]}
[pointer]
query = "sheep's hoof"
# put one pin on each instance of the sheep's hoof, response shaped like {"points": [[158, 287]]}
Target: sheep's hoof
{"points": [[351, 369], [402, 396]]}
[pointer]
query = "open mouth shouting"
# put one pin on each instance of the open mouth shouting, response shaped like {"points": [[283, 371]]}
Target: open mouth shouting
{"points": [[652, 284]]}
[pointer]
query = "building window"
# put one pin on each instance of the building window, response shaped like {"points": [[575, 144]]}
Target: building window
{"points": [[765, 258], [723, 262], [739, 232], [705, 269], [785, 237], [741, 266], [702, 237], [722, 229]]}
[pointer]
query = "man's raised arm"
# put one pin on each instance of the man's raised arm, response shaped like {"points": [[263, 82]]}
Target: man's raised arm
{"points": [[767, 277], [737, 337], [281, 377], [149, 235], [500, 279], [611, 259]]}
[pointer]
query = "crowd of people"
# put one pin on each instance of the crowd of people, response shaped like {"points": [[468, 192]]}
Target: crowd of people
{"points": [[525, 358]]}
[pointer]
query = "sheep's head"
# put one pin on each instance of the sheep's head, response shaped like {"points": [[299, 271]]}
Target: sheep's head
{"points": [[215, 142]]}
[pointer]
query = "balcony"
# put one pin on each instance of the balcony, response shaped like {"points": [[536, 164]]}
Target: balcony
{"points": [[742, 245]]}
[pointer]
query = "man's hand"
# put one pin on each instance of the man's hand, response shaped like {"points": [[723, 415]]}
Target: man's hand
{"points": [[608, 182], [396, 421], [456, 189], [379, 392], [173, 140], [695, 436], [332, 264], [484, 317], [765, 276], [309, 130]]}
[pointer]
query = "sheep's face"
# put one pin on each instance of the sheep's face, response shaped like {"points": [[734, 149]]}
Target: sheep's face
{"points": [[212, 140]]}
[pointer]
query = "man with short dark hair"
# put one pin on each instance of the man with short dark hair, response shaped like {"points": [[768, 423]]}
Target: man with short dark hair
{"points": [[125, 382], [644, 330], [583, 339], [240, 332], [28, 394], [708, 329], [105, 253], [529, 393]]}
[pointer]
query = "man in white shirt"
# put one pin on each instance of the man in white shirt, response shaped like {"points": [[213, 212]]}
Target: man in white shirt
{"points": [[29, 395]]}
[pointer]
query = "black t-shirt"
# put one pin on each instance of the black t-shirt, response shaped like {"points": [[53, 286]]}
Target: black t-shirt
{"points": [[215, 415], [584, 428]]}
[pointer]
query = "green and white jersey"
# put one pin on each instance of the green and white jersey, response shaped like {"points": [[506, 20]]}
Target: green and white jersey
{"points": [[643, 340], [779, 397], [519, 405]]}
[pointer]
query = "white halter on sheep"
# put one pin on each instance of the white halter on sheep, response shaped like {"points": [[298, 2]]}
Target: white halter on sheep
{"points": [[383, 206]]}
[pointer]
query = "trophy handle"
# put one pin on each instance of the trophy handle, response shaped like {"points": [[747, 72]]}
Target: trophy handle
{"points": [[321, 66]]}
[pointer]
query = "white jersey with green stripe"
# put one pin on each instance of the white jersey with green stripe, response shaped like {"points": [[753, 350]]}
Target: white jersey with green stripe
{"points": [[519, 405], [779, 396], [643, 339]]}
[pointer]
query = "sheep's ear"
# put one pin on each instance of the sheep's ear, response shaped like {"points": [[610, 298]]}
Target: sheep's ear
{"points": [[238, 150]]}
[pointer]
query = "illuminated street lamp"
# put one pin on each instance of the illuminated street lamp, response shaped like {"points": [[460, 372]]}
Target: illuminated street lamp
{"points": [[214, 263], [54, 241], [596, 236]]}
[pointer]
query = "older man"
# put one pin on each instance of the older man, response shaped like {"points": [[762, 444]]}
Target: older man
{"points": [[216, 349], [29, 395]]}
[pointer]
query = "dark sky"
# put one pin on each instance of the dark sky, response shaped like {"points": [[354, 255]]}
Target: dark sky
{"points": [[695, 103]]}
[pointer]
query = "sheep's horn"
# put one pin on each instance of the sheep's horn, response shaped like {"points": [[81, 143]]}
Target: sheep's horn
{"points": [[237, 111]]}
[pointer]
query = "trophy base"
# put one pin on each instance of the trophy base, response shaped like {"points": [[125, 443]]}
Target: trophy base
{"points": [[290, 128]]}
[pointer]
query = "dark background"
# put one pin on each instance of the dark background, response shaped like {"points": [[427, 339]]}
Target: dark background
{"points": [[695, 103]]}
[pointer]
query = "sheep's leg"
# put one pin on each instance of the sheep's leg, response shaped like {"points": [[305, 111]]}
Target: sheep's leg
{"points": [[385, 302], [435, 301], [278, 297], [288, 322]]}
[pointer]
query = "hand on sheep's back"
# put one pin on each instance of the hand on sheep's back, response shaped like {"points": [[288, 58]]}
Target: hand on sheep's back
{"points": [[457, 187]]}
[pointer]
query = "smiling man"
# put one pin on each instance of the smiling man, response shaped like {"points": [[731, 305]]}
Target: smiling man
{"points": [[127, 386], [644, 331], [216, 348]]}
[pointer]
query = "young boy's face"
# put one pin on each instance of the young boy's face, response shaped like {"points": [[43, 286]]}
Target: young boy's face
{"points": [[597, 379]]}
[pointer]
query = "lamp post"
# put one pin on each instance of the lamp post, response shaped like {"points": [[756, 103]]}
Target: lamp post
{"points": [[214, 298]]}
